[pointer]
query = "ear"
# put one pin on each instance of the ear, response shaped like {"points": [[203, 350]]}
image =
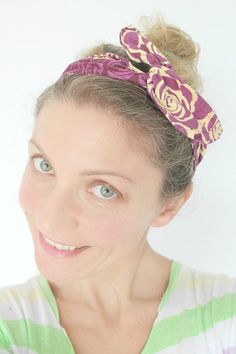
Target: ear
{"points": [[171, 208]]}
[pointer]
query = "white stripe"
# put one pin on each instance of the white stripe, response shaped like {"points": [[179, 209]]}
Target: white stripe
{"points": [[21, 350], [195, 290]]}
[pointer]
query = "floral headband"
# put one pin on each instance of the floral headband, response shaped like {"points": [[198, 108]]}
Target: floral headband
{"points": [[186, 110]]}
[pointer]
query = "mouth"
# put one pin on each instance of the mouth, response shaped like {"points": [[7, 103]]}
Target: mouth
{"points": [[62, 251], [60, 246], [57, 249]]}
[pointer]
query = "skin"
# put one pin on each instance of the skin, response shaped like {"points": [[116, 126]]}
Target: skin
{"points": [[120, 267]]}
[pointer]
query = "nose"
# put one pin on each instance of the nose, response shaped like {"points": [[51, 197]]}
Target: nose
{"points": [[56, 214]]}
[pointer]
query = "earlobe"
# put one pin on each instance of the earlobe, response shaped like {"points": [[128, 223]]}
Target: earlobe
{"points": [[165, 215], [171, 208]]}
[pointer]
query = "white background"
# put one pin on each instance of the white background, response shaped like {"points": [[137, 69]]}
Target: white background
{"points": [[40, 38]]}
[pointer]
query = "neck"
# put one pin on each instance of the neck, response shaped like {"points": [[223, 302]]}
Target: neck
{"points": [[139, 277]]}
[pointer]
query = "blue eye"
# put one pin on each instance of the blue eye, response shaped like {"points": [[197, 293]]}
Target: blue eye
{"points": [[105, 190], [41, 164]]}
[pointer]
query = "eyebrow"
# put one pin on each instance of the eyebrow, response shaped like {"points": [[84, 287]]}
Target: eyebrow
{"points": [[87, 172]]}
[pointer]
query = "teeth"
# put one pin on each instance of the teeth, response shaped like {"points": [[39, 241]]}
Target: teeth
{"points": [[58, 246]]}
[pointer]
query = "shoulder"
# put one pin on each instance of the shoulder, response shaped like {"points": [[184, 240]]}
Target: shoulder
{"points": [[199, 311], [13, 307], [23, 307], [15, 299], [29, 319], [210, 300], [189, 287], [207, 286]]}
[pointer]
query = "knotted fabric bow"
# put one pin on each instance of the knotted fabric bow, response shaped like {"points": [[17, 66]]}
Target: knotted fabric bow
{"points": [[186, 110]]}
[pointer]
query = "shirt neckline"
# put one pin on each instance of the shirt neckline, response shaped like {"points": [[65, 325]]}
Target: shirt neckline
{"points": [[174, 272], [173, 276]]}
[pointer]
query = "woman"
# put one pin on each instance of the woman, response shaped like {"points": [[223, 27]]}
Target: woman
{"points": [[114, 148]]}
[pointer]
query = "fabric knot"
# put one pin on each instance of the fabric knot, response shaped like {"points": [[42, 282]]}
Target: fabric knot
{"points": [[186, 110]]}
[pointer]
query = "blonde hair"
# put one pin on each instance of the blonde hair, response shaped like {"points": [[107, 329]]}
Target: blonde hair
{"points": [[148, 129]]}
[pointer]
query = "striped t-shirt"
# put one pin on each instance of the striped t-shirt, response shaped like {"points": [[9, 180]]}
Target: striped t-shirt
{"points": [[197, 315]]}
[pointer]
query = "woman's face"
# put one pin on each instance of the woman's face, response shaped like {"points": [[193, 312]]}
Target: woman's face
{"points": [[69, 204]]}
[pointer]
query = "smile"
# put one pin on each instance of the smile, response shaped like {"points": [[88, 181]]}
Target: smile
{"points": [[58, 245]]}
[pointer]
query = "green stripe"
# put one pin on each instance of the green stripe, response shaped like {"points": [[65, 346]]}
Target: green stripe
{"points": [[48, 294], [174, 272], [191, 322], [3, 344], [43, 339]]}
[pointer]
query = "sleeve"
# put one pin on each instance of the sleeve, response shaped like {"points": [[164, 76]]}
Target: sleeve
{"points": [[226, 312]]}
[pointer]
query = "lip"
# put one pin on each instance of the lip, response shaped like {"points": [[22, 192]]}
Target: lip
{"points": [[59, 253]]}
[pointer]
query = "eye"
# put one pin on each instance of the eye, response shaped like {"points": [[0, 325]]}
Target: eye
{"points": [[104, 190], [43, 165]]}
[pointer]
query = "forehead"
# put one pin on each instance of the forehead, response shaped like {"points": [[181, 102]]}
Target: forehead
{"points": [[85, 127], [90, 137]]}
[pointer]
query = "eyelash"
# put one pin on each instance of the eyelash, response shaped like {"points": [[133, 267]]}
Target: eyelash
{"points": [[103, 183]]}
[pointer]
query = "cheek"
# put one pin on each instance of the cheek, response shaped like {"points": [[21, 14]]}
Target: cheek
{"points": [[113, 229], [27, 195]]}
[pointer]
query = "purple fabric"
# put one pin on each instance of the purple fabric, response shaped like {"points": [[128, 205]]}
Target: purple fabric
{"points": [[187, 111]]}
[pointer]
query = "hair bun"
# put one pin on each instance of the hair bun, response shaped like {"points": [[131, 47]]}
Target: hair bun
{"points": [[178, 47]]}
